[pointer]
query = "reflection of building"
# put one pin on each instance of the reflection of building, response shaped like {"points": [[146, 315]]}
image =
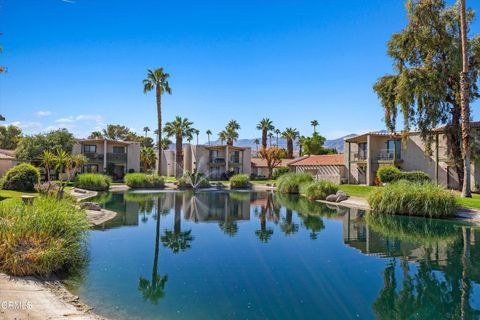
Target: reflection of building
{"points": [[109, 156], [216, 206]]}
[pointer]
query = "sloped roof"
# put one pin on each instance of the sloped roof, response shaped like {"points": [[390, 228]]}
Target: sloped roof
{"points": [[321, 160], [262, 163]]}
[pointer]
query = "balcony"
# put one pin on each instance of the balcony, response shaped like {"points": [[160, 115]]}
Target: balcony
{"points": [[217, 161], [388, 155], [116, 157], [94, 157], [359, 157]]}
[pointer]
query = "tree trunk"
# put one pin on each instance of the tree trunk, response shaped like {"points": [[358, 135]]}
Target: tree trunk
{"points": [[289, 148], [179, 155], [464, 89], [453, 134], [264, 138], [159, 119]]}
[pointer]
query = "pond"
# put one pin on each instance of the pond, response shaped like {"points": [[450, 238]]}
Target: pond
{"points": [[247, 255]]}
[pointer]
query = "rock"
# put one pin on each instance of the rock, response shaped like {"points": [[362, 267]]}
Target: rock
{"points": [[91, 206], [331, 198], [341, 196]]}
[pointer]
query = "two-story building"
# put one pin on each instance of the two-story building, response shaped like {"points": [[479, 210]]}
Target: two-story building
{"points": [[367, 152], [112, 157]]}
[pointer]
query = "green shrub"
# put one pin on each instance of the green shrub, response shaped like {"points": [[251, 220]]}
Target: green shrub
{"points": [[414, 176], [143, 181], [93, 181], [277, 172], [412, 198], [40, 238], [318, 190], [388, 174], [239, 181], [291, 182], [21, 178]]}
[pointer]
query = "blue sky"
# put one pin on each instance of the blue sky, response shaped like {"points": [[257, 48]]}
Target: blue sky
{"points": [[79, 64]]}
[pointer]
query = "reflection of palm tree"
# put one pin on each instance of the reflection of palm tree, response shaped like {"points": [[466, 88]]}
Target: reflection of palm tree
{"points": [[287, 226], [154, 289], [314, 224], [230, 228], [177, 240], [264, 234]]}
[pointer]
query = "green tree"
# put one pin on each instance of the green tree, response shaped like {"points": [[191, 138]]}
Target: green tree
{"points": [[231, 132], [165, 143], [31, 148], [290, 134], [222, 136], [179, 128], [265, 125], [116, 132], [148, 158], [96, 135], [277, 133], [314, 144], [48, 162], [314, 124], [196, 132], [10, 137], [146, 129], [426, 86], [67, 166], [270, 136], [158, 80]]}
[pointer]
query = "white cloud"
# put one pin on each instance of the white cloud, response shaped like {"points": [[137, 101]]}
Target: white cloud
{"points": [[43, 113], [28, 127]]}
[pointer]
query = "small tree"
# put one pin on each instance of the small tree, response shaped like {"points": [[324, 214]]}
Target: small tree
{"points": [[68, 165], [273, 156]]}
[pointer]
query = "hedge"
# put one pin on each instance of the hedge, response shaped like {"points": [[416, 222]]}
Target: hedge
{"points": [[21, 178]]}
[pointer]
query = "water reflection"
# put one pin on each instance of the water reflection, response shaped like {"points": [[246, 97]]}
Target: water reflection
{"points": [[429, 268]]}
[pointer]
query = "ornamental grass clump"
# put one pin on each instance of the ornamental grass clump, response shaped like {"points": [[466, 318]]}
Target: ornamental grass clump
{"points": [[144, 181], [93, 181], [423, 199], [291, 182], [240, 181], [318, 190], [41, 238]]}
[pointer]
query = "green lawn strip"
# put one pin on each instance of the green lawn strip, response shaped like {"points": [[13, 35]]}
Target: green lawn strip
{"points": [[357, 190]]}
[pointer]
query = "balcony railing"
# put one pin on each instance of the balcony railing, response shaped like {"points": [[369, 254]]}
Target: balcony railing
{"points": [[388, 154], [361, 156], [117, 157], [92, 156], [217, 160]]}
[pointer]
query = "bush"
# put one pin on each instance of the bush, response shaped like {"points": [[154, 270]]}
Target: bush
{"points": [[388, 174], [318, 190], [239, 181], [41, 238], [143, 181], [413, 198], [291, 182], [21, 178], [277, 172], [93, 181]]}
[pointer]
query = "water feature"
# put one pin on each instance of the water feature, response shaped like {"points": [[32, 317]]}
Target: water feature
{"points": [[229, 255]]}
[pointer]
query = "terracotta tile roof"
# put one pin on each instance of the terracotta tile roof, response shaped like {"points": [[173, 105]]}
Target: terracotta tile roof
{"points": [[262, 163], [321, 160]]}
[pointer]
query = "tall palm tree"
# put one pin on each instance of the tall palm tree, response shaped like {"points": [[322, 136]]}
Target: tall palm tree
{"points": [[209, 133], [157, 80], [464, 101], [314, 124], [265, 125], [270, 136], [301, 143], [257, 142], [290, 134], [179, 128], [277, 132], [148, 158], [231, 132], [197, 132], [154, 289], [146, 129]]}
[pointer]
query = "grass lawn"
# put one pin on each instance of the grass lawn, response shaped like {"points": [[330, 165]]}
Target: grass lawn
{"points": [[473, 202], [10, 194], [357, 190]]}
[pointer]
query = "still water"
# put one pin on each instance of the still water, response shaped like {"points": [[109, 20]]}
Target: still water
{"points": [[246, 255]]}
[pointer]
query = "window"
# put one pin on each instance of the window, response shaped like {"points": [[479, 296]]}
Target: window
{"points": [[393, 149], [118, 149], [90, 168], [89, 148], [362, 151]]}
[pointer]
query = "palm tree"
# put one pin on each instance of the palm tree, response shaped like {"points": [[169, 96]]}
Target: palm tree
{"points": [[48, 162], [301, 143], [314, 124], [209, 133], [257, 142], [157, 79], [270, 136], [154, 289], [146, 129], [277, 133], [179, 128], [165, 143], [290, 134], [231, 132], [464, 100], [265, 125], [96, 135], [147, 157], [222, 136], [197, 132]]}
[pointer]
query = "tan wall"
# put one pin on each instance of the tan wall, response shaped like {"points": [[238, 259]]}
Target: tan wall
{"points": [[6, 164], [133, 156]]}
